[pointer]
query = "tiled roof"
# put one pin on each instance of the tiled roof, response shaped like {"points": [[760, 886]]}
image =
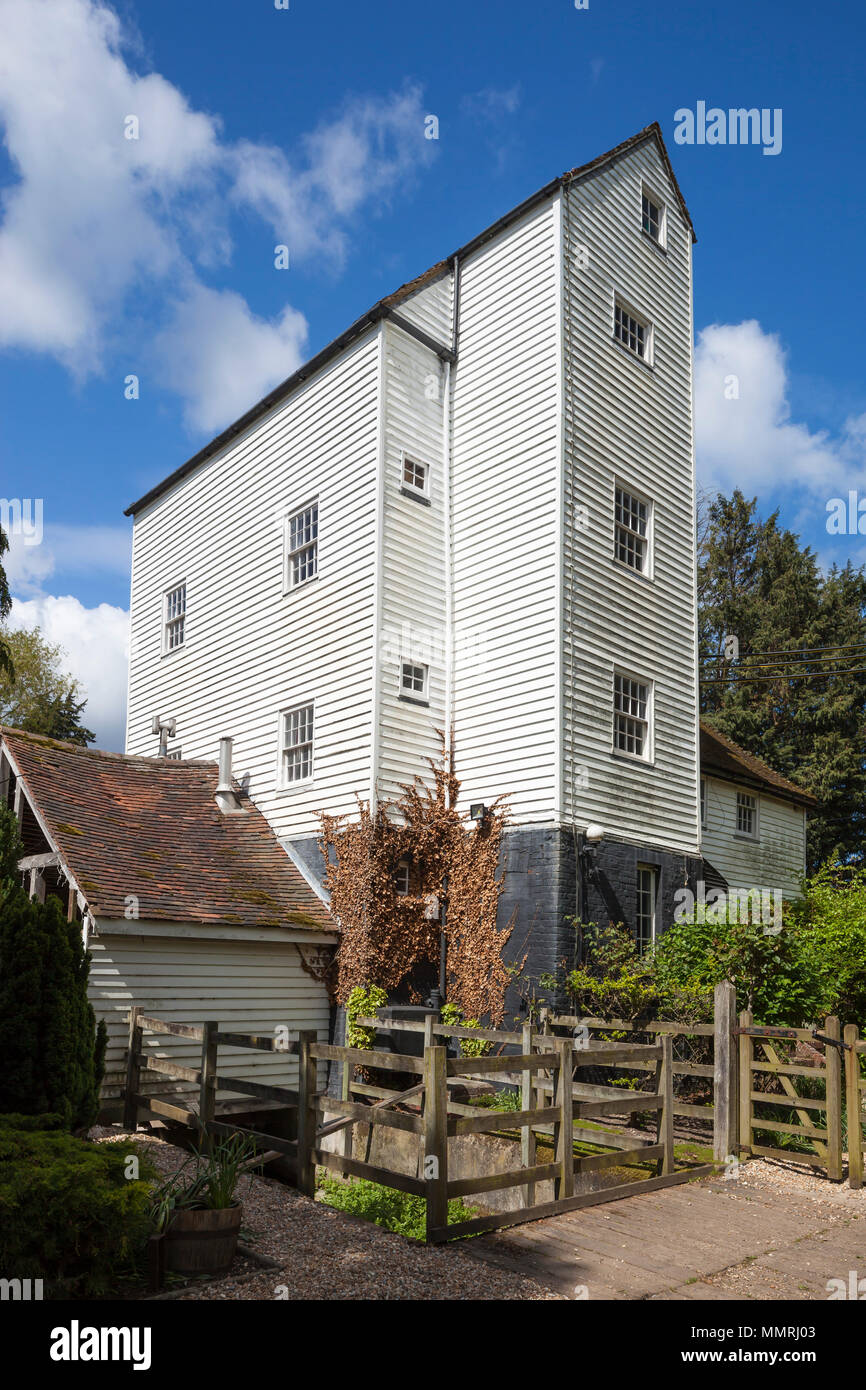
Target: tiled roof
{"points": [[721, 754], [150, 827]]}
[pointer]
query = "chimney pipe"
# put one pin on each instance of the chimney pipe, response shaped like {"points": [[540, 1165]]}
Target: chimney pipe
{"points": [[226, 797]]}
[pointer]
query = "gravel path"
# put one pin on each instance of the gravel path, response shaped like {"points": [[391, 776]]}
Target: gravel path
{"points": [[326, 1254]]}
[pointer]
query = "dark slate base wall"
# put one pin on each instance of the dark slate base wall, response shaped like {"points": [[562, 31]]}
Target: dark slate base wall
{"points": [[540, 871]]}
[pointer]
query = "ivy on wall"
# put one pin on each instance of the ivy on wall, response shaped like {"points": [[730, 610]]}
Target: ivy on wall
{"points": [[386, 934]]}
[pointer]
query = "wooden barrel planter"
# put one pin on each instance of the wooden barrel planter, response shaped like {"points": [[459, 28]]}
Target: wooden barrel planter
{"points": [[203, 1242]]}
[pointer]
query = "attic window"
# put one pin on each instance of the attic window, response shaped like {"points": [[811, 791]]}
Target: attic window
{"points": [[747, 815], [652, 217], [174, 618], [415, 477], [413, 682]]}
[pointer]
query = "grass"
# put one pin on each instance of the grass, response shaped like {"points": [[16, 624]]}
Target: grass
{"points": [[399, 1212]]}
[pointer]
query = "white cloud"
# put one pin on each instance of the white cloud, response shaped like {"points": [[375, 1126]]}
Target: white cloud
{"points": [[96, 642], [69, 550], [744, 433], [227, 356], [94, 218]]}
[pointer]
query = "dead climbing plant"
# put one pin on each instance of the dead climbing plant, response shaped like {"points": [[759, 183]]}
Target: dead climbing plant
{"points": [[385, 934]]}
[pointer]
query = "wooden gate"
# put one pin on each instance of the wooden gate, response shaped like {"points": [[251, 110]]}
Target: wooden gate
{"points": [[765, 1052]]}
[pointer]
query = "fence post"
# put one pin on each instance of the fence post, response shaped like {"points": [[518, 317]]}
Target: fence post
{"points": [[563, 1128], [852, 1088], [724, 1071], [746, 1107], [833, 1064], [133, 1070], [527, 1102], [306, 1174], [665, 1123], [207, 1085], [435, 1169]]}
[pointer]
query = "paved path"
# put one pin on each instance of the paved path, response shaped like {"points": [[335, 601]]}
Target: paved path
{"points": [[761, 1237]]}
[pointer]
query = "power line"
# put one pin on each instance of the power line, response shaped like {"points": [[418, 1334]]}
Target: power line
{"points": [[797, 651], [805, 676]]}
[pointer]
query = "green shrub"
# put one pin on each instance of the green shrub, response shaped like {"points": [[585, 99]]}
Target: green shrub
{"points": [[51, 1052], [363, 1002], [452, 1017], [395, 1211], [68, 1212]]}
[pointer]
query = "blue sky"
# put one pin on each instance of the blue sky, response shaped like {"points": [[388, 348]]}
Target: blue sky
{"points": [[304, 126]]}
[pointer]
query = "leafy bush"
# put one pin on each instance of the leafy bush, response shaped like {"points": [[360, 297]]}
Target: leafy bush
{"points": [[363, 1002], [500, 1100], [395, 1211], [51, 1051], [452, 1017], [69, 1214]]}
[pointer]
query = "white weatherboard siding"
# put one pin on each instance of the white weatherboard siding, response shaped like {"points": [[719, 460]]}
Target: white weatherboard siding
{"points": [[250, 650], [776, 860], [624, 420], [430, 309], [413, 562], [504, 511], [248, 986]]}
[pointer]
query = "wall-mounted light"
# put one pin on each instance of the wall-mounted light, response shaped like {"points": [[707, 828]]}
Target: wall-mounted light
{"points": [[477, 811], [592, 838]]}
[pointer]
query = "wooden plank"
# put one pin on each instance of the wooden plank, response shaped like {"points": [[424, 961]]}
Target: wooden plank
{"points": [[327, 1103], [665, 1132], [833, 1091], [854, 1106], [773, 1098], [358, 1169], [610, 1054], [286, 1147], [724, 1071], [563, 1139], [621, 1025], [207, 1080], [176, 1030], [745, 1083], [169, 1112], [484, 1066], [680, 1068], [386, 1061], [167, 1068], [498, 1182], [644, 1153], [787, 1156], [367, 1114], [778, 1127], [625, 1104], [435, 1154], [789, 1034], [486, 1122], [441, 1030], [527, 1100], [778, 1069], [133, 1070], [583, 1199], [694, 1112], [281, 1094], [258, 1042], [306, 1116]]}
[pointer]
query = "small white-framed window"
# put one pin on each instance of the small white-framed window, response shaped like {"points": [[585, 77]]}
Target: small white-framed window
{"points": [[632, 529], [414, 681], [415, 477], [703, 802], [296, 744], [632, 330], [653, 215], [645, 914], [174, 755], [174, 618], [302, 545], [401, 879], [747, 815], [632, 714]]}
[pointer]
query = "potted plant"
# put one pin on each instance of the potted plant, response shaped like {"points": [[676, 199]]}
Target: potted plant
{"points": [[196, 1210]]}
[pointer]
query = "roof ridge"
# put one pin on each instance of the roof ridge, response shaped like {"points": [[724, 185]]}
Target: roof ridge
{"points": [[775, 776], [65, 746]]}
